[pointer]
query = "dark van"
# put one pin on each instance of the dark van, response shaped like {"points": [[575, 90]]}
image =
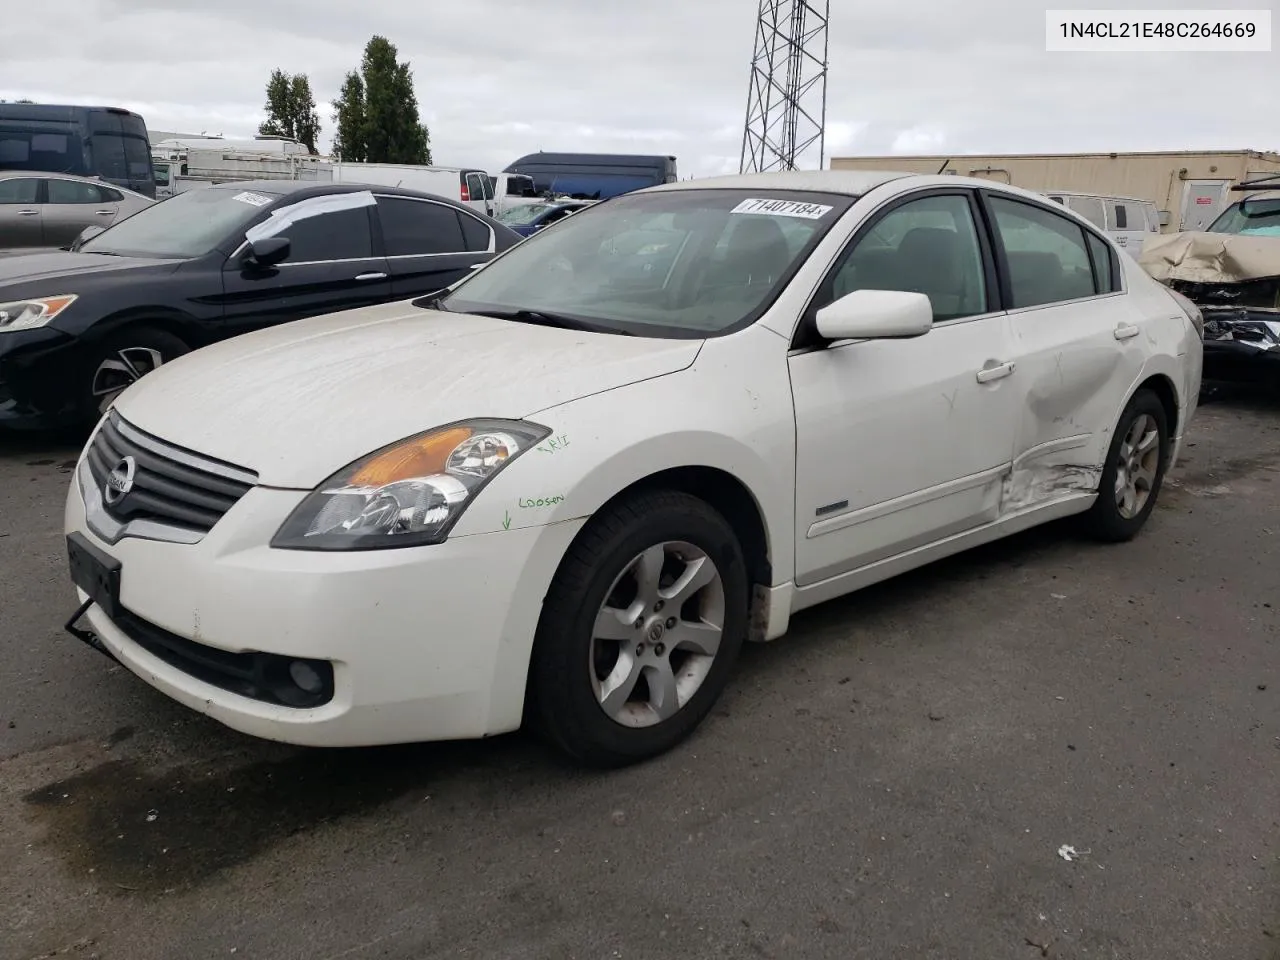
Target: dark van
{"points": [[106, 142], [594, 176]]}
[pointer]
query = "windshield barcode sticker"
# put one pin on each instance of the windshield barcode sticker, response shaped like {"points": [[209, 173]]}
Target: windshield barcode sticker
{"points": [[257, 199], [783, 208]]}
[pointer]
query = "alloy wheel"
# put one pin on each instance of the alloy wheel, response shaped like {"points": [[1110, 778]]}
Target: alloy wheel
{"points": [[1137, 465], [121, 370], [657, 634]]}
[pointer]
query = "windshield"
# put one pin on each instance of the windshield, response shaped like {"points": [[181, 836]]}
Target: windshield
{"points": [[1254, 218], [524, 214], [188, 225], [680, 263]]}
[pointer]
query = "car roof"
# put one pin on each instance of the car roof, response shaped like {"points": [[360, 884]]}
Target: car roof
{"points": [[854, 183], [301, 189]]}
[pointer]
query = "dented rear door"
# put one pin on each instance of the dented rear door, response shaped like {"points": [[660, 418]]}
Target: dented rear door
{"points": [[1078, 344]]}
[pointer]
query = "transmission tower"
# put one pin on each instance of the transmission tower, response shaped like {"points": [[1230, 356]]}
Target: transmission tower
{"points": [[787, 96]]}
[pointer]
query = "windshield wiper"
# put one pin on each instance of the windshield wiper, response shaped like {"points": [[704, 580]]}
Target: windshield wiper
{"points": [[545, 319]]}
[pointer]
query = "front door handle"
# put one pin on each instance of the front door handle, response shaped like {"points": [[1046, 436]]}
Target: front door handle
{"points": [[372, 276], [987, 374], [1126, 331], [27, 213], [104, 213]]}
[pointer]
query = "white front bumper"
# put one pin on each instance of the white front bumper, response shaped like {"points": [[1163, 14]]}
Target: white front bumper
{"points": [[427, 643]]}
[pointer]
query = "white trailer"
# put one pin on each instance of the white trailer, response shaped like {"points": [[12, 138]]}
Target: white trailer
{"points": [[189, 163]]}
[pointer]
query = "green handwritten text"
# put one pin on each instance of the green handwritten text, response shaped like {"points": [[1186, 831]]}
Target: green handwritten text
{"points": [[554, 444], [540, 502]]}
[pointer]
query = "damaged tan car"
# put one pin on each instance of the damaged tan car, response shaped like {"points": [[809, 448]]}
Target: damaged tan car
{"points": [[1232, 273]]}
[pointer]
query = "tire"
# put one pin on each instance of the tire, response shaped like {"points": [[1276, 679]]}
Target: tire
{"points": [[572, 671], [1114, 518], [112, 366]]}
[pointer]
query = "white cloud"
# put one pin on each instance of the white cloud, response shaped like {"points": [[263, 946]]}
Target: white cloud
{"points": [[499, 78]]}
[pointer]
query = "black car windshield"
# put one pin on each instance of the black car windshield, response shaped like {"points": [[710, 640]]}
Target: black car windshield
{"points": [[672, 263], [525, 214], [188, 225], [1252, 217]]}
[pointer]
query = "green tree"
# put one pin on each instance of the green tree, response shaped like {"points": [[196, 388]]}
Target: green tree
{"points": [[291, 109], [376, 111]]}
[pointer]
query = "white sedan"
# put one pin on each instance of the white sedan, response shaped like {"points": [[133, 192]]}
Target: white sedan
{"points": [[568, 489]]}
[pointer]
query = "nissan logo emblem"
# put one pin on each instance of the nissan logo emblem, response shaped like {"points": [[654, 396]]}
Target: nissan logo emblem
{"points": [[120, 480]]}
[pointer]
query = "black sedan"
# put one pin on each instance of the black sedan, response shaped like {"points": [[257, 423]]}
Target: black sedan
{"points": [[76, 328]]}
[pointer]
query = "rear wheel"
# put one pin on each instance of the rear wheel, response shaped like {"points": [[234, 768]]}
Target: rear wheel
{"points": [[640, 630], [1134, 471], [124, 360]]}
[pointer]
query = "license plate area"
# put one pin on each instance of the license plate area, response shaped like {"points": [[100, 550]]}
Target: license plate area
{"points": [[94, 572]]}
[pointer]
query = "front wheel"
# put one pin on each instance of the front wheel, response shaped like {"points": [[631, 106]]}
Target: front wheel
{"points": [[1134, 471], [640, 630], [121, 362]]}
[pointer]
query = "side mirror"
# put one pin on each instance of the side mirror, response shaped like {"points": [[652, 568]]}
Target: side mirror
{"points": [[87, 234], [876, 315], [268, 251]]}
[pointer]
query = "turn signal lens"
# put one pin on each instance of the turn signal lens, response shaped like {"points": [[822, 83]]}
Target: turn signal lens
{"points": [[28, 314]]}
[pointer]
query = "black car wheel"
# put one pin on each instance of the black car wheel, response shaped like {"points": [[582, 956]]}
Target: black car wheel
{"points": [[124, 360]]}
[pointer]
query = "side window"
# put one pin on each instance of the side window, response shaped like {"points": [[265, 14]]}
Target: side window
{"points": [[111, 196], [108, 156], [475, 187], [1047, 257], [475, 232], [1104, 275], [340, 235], [927, 246], [19, 190], [417, 227], [1090, 208], [1119, 217], [72, 191]]}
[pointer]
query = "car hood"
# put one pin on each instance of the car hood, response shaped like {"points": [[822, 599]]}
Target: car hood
{"points": [[300, 401], [18, 270]]}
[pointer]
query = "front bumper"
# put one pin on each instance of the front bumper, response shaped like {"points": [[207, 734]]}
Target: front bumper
{"points": [[37, 379], [426, 643]]}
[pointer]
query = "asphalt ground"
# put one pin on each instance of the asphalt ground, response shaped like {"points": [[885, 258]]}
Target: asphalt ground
{"points": [[897, 777]]}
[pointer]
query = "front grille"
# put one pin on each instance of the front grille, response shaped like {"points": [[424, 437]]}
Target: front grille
{"points": [[171, 485], [260, 676]]}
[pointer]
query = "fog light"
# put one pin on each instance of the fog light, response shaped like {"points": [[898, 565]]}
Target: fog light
{"points": [[305, 676]]}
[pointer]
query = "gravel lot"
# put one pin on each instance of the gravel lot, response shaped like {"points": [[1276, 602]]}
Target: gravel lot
{"points": [[894, 779]]}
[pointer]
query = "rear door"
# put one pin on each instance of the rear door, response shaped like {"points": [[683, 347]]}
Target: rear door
{"points": [[72, 205], [331, 266], [1078, 345], [1126, 225], [478, 189], [429, 245], [20, 213]]}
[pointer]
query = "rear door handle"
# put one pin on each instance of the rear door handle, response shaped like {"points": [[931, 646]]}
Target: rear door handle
{"points": [[372, 276], [28, 213], [104, 213], [1126, 331], [987, 374]]}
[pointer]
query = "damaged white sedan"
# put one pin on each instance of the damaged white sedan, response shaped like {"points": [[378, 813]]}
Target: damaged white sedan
{"points": [[568, 489]]}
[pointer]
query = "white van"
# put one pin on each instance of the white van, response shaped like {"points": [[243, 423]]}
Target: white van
{"points": [[470, 186], [1127, 220]]}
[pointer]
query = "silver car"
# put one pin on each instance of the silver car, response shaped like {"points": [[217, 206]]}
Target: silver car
{"points": [[49, 210]]}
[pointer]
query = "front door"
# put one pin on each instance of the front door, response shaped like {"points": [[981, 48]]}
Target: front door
{"points": [[331, 266], [1202, 201], [901, 443], [20, 213], [1077, 343]]}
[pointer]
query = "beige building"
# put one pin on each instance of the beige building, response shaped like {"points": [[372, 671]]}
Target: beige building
{"points": [[1188, 188]]}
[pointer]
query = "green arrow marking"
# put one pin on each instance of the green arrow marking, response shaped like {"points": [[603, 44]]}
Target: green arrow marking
{"points": [[506, 520]]}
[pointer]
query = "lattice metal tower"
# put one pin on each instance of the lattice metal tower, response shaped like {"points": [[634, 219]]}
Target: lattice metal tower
{"points": [[787, 97]]}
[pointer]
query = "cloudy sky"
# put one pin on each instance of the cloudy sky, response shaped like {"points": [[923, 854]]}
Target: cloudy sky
{"points": [[499, 78]]}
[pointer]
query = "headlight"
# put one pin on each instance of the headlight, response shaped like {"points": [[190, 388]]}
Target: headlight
{"points": [[409, 493], [28, 314]]}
